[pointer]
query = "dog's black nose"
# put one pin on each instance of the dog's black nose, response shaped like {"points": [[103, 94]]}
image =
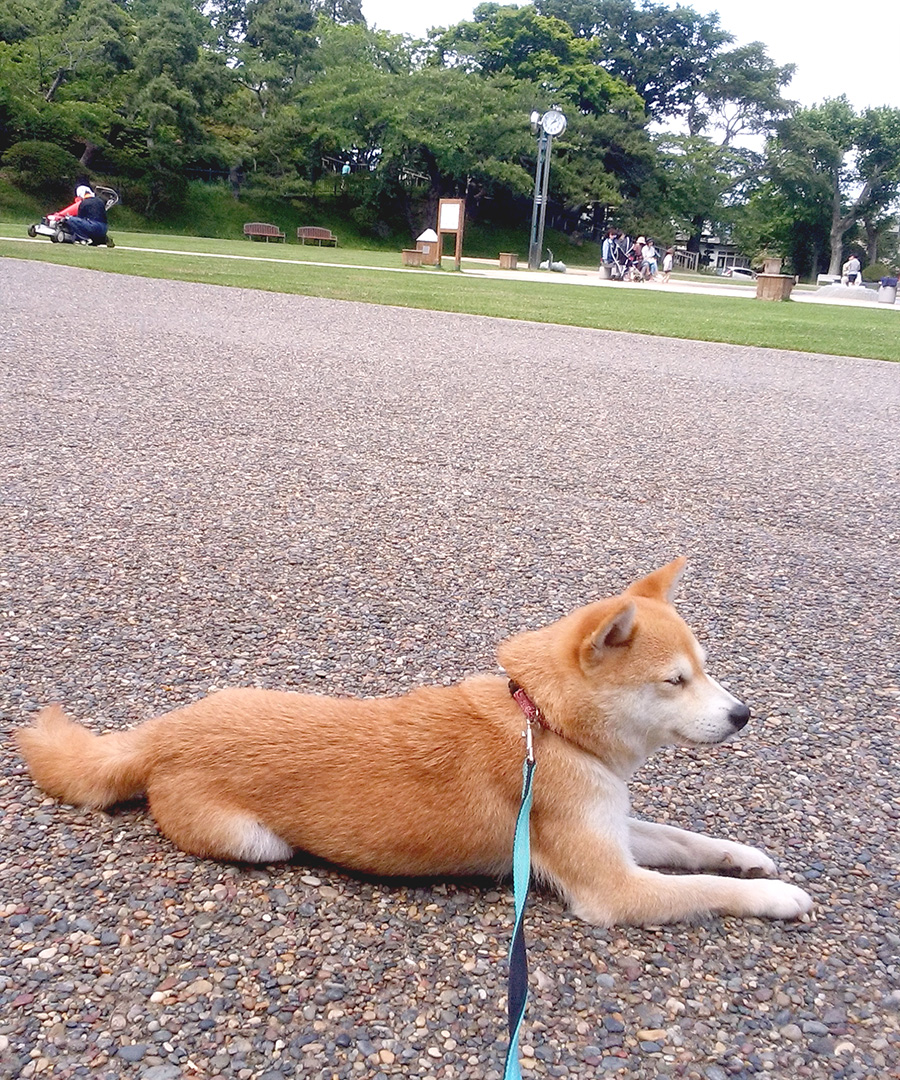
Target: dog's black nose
{"points": [[739, 715]]}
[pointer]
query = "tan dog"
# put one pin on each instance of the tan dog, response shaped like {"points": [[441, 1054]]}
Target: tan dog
{"points": [[429, 783]]}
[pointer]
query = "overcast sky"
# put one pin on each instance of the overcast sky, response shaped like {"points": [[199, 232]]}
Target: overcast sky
{"points": [[839, 48]]}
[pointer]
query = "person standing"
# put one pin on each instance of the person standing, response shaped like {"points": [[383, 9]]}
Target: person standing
{"points": [[649, 260], [668, 260], [608, 252]]}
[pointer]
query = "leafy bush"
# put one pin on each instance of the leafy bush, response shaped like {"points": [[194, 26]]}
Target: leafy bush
{"points": [[876, 271], [43, 167]]}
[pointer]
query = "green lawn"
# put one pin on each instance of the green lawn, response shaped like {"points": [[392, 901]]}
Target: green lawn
{"points": [[863, 332]]}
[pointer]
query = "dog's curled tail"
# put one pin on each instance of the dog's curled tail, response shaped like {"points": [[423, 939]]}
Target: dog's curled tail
{"points": [[76, 766]]}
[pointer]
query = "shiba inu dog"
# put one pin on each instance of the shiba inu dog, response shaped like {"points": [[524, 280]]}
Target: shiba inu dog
{"points": [[429, 783]]}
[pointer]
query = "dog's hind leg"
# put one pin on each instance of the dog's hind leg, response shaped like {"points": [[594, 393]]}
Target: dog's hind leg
{"points": [[678, 849], [199, 823]]}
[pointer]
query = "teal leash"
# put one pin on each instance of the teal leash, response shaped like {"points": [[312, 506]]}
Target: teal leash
{"points": [[518, 961]]}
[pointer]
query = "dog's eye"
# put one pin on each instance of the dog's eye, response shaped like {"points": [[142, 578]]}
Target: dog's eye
{"points": [[678, 680]]}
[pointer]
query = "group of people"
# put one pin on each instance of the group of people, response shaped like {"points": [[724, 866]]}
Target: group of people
{"points": [[627, 260]]}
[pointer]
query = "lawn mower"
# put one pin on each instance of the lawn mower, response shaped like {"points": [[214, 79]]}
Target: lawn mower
{"points": [[56, 228]]}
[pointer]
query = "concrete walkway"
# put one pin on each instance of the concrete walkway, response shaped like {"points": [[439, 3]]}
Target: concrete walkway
{"points": [[713, 287]]}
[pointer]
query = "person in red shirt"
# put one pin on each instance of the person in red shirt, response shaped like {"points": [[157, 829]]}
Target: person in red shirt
{"points": [[72, 210]]}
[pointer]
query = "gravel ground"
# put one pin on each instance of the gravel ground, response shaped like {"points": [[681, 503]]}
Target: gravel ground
{"points": [[203, 487]]}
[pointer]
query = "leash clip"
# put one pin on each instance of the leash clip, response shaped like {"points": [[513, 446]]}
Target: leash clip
{"points": [[528, 736], [530, 712]]}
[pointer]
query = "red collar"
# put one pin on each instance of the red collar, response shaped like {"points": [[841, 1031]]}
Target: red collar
{"points": [[532, 713]]}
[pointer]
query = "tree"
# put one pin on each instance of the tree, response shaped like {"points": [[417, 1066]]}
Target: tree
{"points": [[61, 65], [275, 57], [91, 42], [341, 12], [664, 53], [534, 48], [421, 135], [175, 83], [338, 109], [845, 164], [704, 182], [605, 154], [770, 223], [740, 95], [681, 65], [708, 171]]}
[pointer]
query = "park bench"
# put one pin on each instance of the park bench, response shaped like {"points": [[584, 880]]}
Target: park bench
{"points": [[315, 234], [259, 230]]}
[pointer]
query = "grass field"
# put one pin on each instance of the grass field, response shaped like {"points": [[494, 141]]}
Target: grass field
{"points": [[209, 210], [376, 277]]}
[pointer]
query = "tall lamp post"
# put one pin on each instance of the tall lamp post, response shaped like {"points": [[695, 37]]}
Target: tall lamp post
{"points": [[546, 127]]}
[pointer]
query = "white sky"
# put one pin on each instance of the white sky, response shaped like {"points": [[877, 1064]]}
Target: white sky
{"points": [[838, 47]]}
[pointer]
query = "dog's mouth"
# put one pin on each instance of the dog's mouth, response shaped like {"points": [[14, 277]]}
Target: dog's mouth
{"points": [[712, 733], [695, 743]]}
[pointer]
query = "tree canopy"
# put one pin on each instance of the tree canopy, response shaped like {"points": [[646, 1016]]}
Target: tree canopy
{"points": [[829, 169]]}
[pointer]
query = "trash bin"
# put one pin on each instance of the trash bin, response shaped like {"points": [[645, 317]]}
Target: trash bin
{"points": [[887, 294], [509, 260], [427, 243], [605, 272], [411, 257]]}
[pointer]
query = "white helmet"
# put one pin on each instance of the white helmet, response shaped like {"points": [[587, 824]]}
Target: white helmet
{"points": [[83, 192]]}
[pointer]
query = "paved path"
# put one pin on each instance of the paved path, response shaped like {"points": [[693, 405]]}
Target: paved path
{"points": [[203, 486]]}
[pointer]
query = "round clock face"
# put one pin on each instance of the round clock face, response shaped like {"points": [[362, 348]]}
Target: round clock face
{"points": [[553, 122]]}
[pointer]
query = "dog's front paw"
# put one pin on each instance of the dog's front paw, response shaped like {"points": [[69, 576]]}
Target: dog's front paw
{"points": [[746, 861], [779, 900]]}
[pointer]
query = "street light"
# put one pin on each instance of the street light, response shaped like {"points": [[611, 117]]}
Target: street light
{"points": [[550, 124]]}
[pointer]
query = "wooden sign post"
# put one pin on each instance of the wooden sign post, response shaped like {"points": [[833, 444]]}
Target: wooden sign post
{"points": [[451, 219]]}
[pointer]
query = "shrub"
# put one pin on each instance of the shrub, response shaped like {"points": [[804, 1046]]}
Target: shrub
{"points": [[43, 167], [876, 271]]}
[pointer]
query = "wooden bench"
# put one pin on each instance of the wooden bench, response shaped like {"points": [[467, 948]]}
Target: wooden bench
{"points": [[259, 230], [315, 234]]}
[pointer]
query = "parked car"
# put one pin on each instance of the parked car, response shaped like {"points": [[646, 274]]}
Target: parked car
{"points": [[739, 272]]}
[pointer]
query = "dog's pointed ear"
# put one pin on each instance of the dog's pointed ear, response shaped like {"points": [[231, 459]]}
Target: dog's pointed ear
{"points": [[617, 629], [661, 584]]}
